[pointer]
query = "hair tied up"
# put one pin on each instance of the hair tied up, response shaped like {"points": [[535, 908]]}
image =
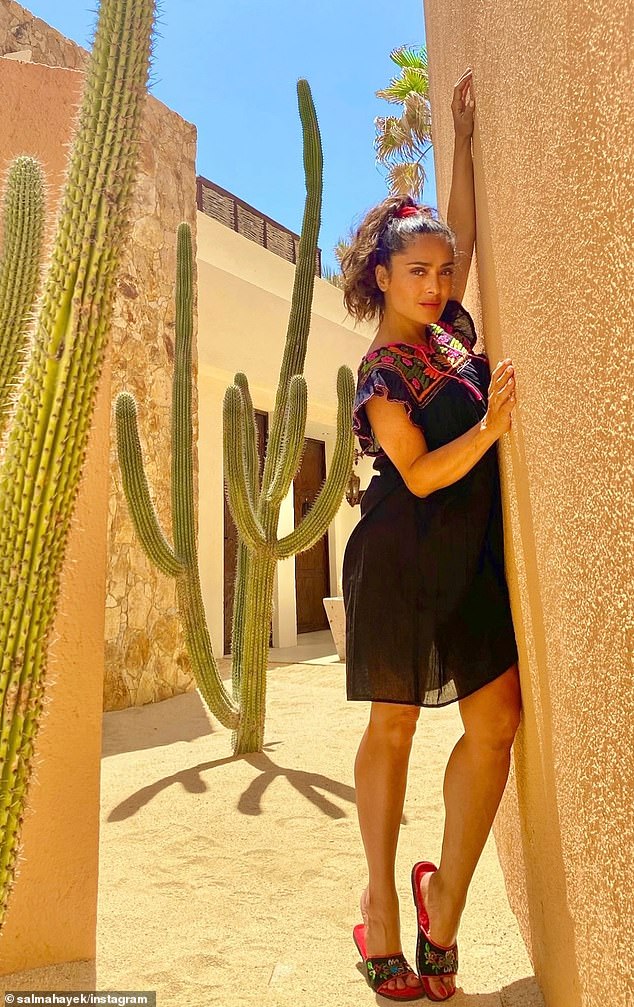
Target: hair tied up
{"points": [[407, 211], [382, 233]]}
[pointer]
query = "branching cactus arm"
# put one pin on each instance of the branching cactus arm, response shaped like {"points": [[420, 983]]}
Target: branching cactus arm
{"points": [[247, 523], [301, 303], [182, 482], [292, 447], [136, 489], [328, 500], [180, 562], [252, 459]]}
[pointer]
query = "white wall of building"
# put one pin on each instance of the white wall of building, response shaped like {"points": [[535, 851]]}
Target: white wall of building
{"points": [[244, 294]]}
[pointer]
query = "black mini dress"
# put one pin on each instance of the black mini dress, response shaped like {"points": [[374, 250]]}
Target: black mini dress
{"points": [[428, 617]]}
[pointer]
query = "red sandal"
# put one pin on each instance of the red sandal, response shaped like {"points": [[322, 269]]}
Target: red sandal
{"points": [[379, 971], [431, 959]]}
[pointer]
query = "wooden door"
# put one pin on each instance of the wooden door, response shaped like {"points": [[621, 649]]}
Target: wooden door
{"points": [[231, 538], [312, 574]]}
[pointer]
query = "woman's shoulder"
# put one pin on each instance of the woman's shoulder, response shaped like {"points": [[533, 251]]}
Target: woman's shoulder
{"points": [[398, 372], [392, 374], [397, 358]]}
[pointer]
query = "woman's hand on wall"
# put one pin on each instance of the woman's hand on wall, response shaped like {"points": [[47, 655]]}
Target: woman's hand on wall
{"points": [[502, 398], [463, 104]]}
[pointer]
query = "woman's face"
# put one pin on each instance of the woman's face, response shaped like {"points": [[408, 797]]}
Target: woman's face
{"points": [[418, 284]]}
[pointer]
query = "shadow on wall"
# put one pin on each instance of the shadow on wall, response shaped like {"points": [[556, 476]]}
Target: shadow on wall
{"points": [[534, 750], [542, 854]]}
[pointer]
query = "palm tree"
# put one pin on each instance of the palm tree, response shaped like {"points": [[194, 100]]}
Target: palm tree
{"points": [[330, 274], [402, 142]]}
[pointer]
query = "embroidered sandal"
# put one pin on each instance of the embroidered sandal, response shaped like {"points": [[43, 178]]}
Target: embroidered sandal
{"points": [[379, 971], [431, 959]]}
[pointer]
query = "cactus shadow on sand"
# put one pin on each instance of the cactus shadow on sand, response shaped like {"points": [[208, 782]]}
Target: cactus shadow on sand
{"points": [[249, 803]]}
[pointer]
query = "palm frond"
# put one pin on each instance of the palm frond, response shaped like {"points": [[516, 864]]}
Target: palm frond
{"points": [[402, 142], [341, 248], [414, 56], [393, 139], [332, 277], [406, 179], [412, 79], [417, 116]]}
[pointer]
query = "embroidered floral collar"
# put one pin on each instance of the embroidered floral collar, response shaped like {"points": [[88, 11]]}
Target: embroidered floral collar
{"points": [[441, 359]]}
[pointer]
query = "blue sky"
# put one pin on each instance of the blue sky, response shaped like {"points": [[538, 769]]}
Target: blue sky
{"points": [[231, 68]]}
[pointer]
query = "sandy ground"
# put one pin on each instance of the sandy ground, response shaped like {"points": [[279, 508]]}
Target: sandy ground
{"points": [[235, 881]]}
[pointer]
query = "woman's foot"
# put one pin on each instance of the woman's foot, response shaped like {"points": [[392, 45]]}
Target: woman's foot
{"points": [[382, 935], [444, 920]]}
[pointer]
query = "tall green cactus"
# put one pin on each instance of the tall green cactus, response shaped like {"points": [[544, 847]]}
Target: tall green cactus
{"points": [[50, 423], [181, 561], [23, 229], [255, 507]]}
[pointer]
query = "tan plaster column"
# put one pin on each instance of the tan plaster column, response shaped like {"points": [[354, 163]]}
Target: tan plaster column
{"points": [[52, 912], [554, 178], [52, 909]]}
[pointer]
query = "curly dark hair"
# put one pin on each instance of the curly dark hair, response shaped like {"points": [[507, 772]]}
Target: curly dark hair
{"points": [[378, 236]]}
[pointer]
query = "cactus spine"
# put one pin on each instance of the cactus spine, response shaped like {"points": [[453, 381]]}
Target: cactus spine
{"points": [[49, 426], [255, 507], [19, 270]]}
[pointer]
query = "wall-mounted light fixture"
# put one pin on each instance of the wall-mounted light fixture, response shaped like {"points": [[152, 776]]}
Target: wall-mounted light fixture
{"points": [[354, 493]]}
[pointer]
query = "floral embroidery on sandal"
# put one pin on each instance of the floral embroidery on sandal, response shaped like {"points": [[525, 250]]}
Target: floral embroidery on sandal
{"points": [[431, 959], [379, 970]]}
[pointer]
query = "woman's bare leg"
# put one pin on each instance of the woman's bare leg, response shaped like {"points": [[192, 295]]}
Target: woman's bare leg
{"points": [[475, 779], [380, 772]]}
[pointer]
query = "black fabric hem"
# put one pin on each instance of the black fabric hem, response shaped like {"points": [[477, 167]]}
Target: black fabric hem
{"points": [[447, 702], [400, 702], [507, 665]]}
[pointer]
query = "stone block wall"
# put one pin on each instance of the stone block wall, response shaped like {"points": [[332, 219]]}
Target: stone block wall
{"points": [[145, 656], [21, 31]]}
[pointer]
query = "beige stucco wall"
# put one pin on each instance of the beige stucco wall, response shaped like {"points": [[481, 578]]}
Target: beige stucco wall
{"points": [[244, 304], [52, 909], [553, 172]]}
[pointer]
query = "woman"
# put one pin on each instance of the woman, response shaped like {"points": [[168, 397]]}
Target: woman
{"points": [[428, 619]]}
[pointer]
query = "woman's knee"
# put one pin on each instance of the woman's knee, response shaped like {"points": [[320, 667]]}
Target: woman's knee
{"points": [[500, 732], [396, 722], [491, 716]]}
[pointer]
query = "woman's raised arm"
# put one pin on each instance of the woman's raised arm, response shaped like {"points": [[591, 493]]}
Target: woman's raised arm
{"points": [[461, 208]]}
